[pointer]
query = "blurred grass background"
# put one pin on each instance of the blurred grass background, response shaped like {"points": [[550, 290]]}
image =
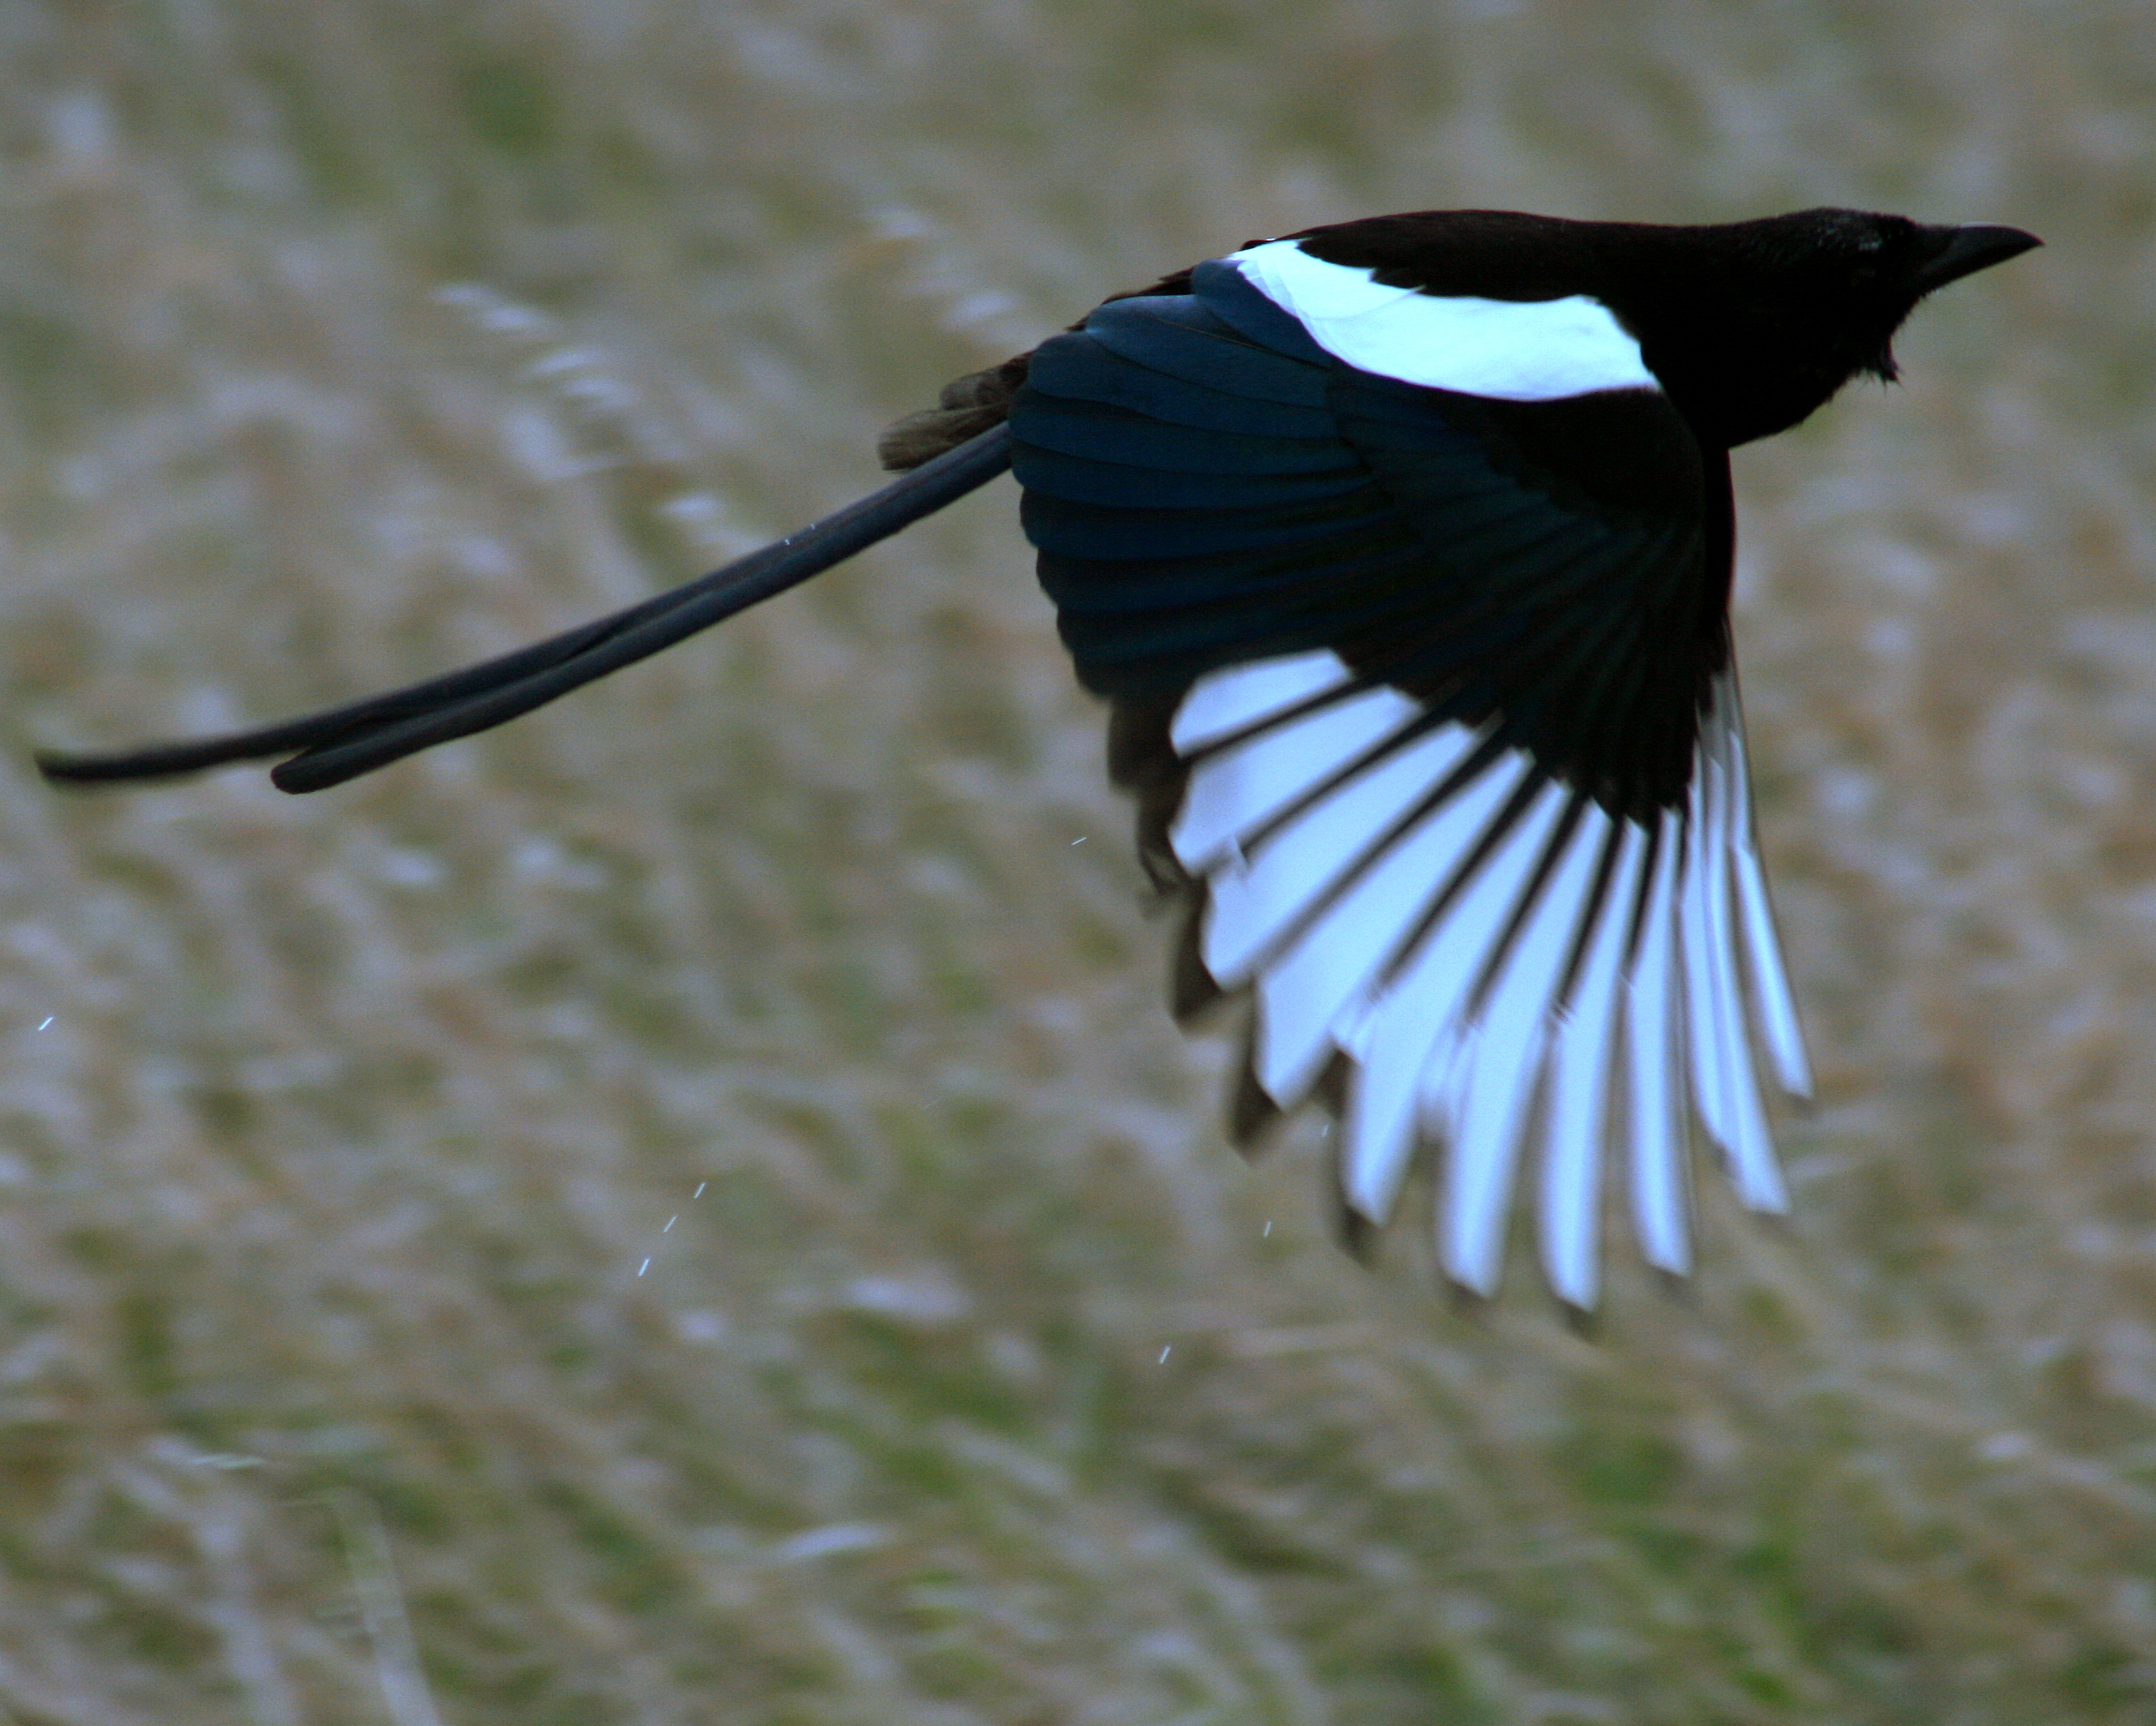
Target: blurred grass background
{"points": [[970, 1378]]}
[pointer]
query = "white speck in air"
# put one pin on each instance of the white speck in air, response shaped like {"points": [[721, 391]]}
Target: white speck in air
{"points": [[699, 1193], [1163, 1354], [49, 1017], [643, 1267], [670, 1221], [1079, 841], [1269, 1228]]}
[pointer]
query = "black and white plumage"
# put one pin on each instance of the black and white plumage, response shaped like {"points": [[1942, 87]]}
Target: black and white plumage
{"points": [[1401, 550]]}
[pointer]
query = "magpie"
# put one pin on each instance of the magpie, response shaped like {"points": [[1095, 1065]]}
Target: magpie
{"points": [[1400, 551]]}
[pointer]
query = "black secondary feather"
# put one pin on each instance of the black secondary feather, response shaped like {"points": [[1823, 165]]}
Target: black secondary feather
{"points": [[1401, 549]]}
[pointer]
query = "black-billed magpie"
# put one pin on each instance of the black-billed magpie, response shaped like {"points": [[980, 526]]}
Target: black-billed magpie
{"points": [[1401, 550]]}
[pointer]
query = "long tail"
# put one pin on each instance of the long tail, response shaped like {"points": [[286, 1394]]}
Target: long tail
{"points": [[341, 744]]}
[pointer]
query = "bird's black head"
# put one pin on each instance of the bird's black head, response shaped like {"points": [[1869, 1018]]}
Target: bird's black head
{"points": [[1751, 325]]}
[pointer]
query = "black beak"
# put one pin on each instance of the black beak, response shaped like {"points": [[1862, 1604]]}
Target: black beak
{"points": [[1964, 251]]}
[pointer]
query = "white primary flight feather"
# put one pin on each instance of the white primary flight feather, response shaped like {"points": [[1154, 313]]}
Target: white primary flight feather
{"points": [[1465, 930]]}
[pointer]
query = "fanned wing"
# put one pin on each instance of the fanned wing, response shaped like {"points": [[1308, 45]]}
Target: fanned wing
{"points": [[1429, 695]]}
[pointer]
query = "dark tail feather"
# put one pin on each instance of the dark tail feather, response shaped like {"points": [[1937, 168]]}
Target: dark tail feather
{"points": [[341, 743]]}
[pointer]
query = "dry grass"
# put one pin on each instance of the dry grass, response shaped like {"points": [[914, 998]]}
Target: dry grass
{"points": [[341, 342]]}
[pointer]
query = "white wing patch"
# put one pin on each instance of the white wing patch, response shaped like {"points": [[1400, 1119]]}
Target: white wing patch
{"points": [[1475, 936], [1515, 350]]}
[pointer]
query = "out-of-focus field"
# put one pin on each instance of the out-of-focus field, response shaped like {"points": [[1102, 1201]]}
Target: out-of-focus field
{"points": [[341, 342]]}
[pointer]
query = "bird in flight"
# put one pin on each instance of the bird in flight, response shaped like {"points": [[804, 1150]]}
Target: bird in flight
{"points": [[1400, 550]]}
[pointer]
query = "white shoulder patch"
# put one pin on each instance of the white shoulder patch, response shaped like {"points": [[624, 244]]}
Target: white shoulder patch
{"points": [[1515, 350], [1468, 935]]}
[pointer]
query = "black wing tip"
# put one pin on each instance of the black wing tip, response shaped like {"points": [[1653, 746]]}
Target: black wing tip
{"points": [[1193, 995], [1470, 1304], [1676, 1287], [1253, 1117], [1358, 1235]]}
